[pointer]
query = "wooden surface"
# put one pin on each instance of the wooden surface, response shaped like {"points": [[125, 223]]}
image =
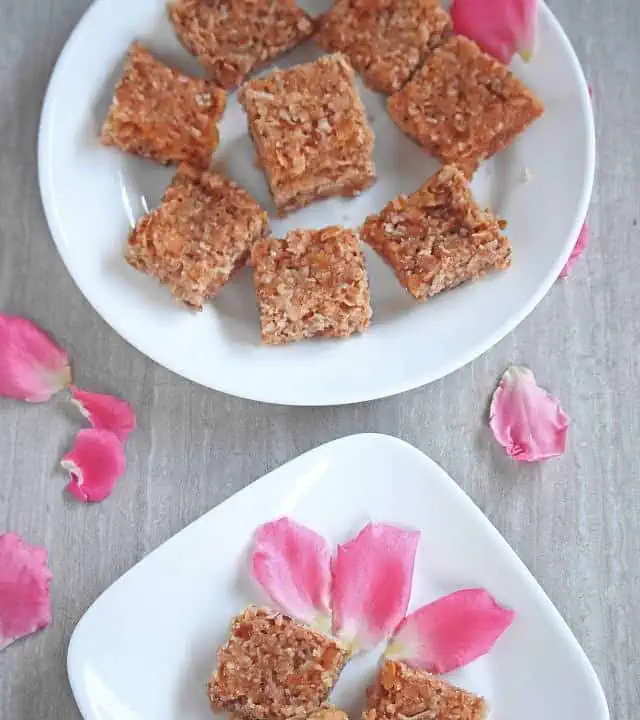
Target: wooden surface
{"points": [[575, 521]]}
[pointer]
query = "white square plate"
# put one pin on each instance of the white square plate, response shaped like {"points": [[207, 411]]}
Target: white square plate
{"points": [[146, 647]]}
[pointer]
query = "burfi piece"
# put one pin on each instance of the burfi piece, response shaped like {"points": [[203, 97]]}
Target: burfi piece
{"points": [[463, 106], [314, 282], [231, 38], [159, 113], [310, 131], [438, 237], [400, 692], [199, 235], [272, 667], [385, 40]]}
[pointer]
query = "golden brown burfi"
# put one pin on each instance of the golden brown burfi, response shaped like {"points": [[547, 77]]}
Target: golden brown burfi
{"points": [[463, 106], [314, 282], [272, 667], [231, 38], [162, 114], [438, 237], [385, 40], [198, 236], [310, 131], [400, 692]]}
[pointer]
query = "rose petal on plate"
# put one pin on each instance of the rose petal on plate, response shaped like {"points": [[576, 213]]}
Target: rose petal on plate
{"points": [[501, 28], [95, 463], [372, 578], [526, 420], [32, 366], [578, 249], [105, 412], [450, 632], [25, 605], [292, 563]]}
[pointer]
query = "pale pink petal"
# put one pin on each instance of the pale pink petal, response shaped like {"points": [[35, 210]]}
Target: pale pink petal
{"points": [[450, 632], [293, 565], [32, 366], [95, 463], [578, 249], [25, 605], [105, 412], [372, 579], [526, 420], [501, 28]]}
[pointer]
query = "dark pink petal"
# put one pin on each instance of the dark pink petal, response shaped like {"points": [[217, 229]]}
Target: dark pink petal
{"points": [[526, 420], [95, 463], [501, 28], [32, 366], [581, 244], [25, 605], [105, 412], [293, 565], [372, 579], [450, 632]]}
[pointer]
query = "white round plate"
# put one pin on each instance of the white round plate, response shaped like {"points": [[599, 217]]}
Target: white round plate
{"points": [[92, 195]]}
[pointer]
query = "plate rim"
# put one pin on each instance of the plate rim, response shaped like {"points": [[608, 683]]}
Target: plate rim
{"points": [[439, 474], [385, 389]]}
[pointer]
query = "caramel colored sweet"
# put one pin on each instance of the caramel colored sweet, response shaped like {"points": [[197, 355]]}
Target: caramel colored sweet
{"points": [[463, 106], [159, 113], [385, 40], [438, 237]]}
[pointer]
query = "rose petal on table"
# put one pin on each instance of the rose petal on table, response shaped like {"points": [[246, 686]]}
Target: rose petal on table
{"points": [[578, 249], [105, 412], [25, 604], [94, 464], [32, 366], [526, 420], [450, 632], [292, 564], [372, 578], [501, 28]]}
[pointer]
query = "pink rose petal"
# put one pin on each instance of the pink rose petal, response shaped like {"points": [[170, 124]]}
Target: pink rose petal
{"points": [[25, 605], [372, 579], [293, 565], [32, 366], [501, 28], [105, 412], [95, 463], [450, 632], [579, 248], [526, 420]]}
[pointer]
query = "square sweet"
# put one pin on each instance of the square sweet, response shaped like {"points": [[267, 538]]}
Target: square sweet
{"points": [[273, 668], [438, 237], [310, 131], [159, 113], [314, 282], [463, 106], [231, 38], [199, 235], [400, 692], [385, 40]]}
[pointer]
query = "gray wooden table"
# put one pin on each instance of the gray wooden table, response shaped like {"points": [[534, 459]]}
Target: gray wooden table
{"points": [[575, 521]]}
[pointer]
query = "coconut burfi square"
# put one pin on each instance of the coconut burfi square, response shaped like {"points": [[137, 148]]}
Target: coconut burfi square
{"points": [[310, 131], [199, 235], [232, 38], [463, 106], [273, 668], [314, 282], [438, 237], [387, 40], [159, 113], [400, 692]]}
